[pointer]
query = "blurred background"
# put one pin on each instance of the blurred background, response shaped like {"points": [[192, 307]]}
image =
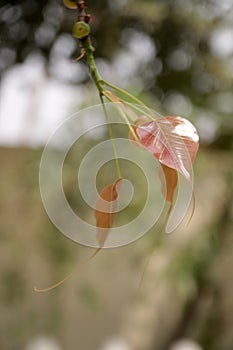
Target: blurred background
{"points": [[177, 56]]}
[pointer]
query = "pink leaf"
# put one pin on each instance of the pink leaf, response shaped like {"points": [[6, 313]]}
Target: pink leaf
{"points": [[172, 140], [105, 211], [168, 178]]}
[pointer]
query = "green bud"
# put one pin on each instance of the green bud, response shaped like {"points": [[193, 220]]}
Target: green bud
{"points": [[71, 4], [81, 29]]}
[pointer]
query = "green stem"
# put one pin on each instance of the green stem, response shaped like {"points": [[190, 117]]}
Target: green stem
{"points": [[125, 93], [125, 117], [141, 111], [111, 138], [133, 98], [92, 67], [98, 82]]}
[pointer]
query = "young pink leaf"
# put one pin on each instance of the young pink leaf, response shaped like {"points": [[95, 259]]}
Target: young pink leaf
{"points": [[172, 140], [104, 214], [105, 211], [168, 178]]}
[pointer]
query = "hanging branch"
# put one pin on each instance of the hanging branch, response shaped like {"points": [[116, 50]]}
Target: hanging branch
{"points": [[175, 152], [81, 31], [171, 140]]}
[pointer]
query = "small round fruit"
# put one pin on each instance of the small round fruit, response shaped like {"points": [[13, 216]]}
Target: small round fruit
{"points": [[71, 4], [81, 29]]}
